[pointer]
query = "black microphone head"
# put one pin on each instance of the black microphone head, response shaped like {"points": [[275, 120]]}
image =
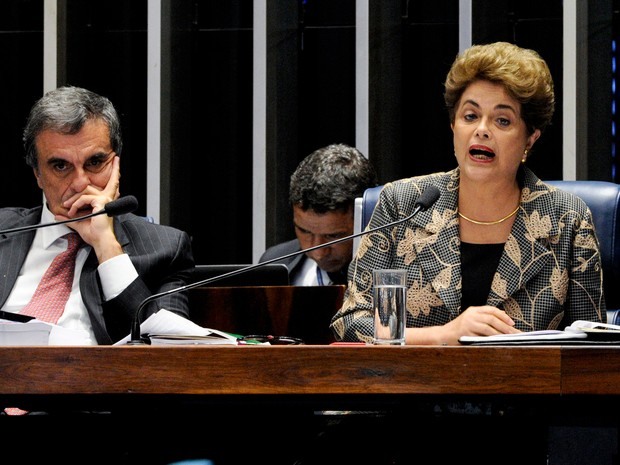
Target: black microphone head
{"points": [[121, 205], [428, 197]]}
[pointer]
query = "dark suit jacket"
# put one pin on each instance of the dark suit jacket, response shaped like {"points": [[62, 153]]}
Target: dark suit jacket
{"points": [[162, 256], [294, 264]]}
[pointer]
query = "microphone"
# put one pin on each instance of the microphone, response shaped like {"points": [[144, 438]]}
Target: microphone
{"points": [[119, 206], [116, 207], [424, 202]]}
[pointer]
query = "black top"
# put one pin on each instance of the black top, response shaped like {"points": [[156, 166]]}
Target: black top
{"points": [[478, 265]]}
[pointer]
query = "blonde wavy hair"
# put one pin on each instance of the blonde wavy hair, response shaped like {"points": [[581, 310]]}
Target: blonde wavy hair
{"points": [[522, 72]]}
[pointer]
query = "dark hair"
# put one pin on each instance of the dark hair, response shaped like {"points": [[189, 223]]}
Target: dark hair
{"points": [[522, 72], [330, 178], [65, 110]]}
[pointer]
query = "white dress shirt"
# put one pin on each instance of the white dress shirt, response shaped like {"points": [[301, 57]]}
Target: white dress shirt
{"points": [[310, 275], [115, 275]]}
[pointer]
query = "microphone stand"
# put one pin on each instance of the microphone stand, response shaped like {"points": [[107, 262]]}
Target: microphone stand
{"points": [[423, 203], [122, 205]]}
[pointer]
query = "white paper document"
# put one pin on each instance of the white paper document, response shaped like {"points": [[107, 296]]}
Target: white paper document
{"points": [[166, 327], [579, 332], [39, 333], [31, 333], [163, 327]]}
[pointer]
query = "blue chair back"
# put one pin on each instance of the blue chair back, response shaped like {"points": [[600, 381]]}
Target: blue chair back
{"points": [[603, 198], [369, 200]]}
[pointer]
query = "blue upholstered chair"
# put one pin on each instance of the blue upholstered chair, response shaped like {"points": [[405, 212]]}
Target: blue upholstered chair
{"points": [[602, 197]]}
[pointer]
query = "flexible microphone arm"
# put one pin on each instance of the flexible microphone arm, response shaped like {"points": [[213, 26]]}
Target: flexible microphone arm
{"points": [[115, 207], [426, 200]]}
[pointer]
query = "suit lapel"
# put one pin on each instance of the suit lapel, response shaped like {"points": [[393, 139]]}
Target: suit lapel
{"points": [[530, 254], [441, 261], [13, 250]]}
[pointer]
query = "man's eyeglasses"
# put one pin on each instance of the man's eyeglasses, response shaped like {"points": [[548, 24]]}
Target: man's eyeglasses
{"points": [[272, 340]]}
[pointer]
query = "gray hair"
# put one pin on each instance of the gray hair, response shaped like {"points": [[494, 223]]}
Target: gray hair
{"points": [[65, 110]]}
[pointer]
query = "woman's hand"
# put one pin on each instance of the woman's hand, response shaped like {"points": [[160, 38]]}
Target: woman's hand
{"points": [[478, 321]]}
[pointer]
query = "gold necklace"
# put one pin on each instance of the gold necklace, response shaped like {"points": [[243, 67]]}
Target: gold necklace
{"points": [[490, 223]]}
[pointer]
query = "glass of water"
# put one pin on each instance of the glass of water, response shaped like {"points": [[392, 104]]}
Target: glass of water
{"points": [[389, 301]]}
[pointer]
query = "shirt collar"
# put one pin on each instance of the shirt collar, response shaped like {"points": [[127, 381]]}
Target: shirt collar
{"points": [[50, 234]]}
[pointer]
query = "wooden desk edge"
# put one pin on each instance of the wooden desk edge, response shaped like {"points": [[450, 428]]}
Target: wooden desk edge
{"points": [[260, 370]]}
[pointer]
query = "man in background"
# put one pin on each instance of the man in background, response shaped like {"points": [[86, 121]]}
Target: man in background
{"points": [[322, 194]]}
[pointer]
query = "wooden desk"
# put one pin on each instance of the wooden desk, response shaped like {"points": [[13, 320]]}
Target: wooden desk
{"points": [[203, 370], [562, 384], [309, 370]]}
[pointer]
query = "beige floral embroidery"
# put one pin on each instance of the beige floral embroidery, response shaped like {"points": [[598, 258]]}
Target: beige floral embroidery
{"points": [[338, 326], [499, 286], [381, 241], [406, 248], [555, 322], [513, 309], [444, 278], [364, 245], [355, 297], [364, 337], [369, 241], [559, 284], [583, 265], [417, 239], [528, 196], [587, 242], [440, 220], [513, 251], [537, 227], [421, 299]]}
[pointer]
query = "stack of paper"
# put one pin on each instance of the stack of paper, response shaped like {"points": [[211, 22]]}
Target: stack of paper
{"points": [[39, 333], [32, 333], [580, 332], [179, 339], [166, 327], [163, 327]]}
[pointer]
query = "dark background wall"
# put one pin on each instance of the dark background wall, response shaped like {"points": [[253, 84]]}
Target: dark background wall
{"points": [[207, 85]]}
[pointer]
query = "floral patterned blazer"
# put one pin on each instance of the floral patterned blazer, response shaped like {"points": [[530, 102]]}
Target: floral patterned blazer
{"points": [[549, 274]]}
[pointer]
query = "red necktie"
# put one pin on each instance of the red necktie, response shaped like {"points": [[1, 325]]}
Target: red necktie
{"points": [[50, 298]]}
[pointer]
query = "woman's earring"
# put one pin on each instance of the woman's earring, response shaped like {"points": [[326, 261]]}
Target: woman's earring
{"points": [[524, 159]]}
